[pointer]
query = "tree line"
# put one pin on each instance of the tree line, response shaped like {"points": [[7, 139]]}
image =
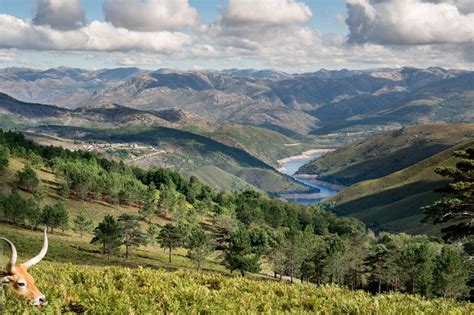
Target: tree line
{"points": [[248, 228]]}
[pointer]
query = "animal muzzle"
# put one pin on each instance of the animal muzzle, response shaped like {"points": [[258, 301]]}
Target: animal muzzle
{"points": [[40, 300]]}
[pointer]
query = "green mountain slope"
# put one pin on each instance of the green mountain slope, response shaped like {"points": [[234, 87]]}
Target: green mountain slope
{"points": [[393, 202], [188, 152], [386, 153], [190, 143]]}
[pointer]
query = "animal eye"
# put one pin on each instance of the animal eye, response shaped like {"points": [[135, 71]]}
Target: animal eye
{"points": [[21, 284]]}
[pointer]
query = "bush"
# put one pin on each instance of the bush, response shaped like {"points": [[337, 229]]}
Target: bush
{"points": [[118, 290]]}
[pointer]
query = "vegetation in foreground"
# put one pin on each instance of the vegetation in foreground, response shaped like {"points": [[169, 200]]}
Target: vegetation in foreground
{"points": [[246, 228], [94, 290]]}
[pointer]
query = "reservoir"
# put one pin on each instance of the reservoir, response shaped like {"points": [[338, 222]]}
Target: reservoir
{"points": [[290, 166]]}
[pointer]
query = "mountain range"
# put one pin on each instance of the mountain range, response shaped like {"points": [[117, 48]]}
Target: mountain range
{"points": [[320, 102]]}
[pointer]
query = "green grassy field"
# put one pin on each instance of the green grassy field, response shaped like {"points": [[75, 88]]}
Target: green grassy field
{"points": [[93, 290]]}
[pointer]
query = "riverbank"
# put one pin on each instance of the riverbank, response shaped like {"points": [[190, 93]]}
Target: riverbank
{"points": [[291, 165], [305, 155], [313, 179]]}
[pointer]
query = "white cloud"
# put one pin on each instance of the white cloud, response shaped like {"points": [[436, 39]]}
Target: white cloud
{"points": [[139, 60], [266, 12], [263, 34], [7, 55], [59, 14], [150, 15], [96, 36], [410, 22]]}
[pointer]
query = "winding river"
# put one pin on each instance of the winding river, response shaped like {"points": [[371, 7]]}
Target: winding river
{"points": [[290, 166]]}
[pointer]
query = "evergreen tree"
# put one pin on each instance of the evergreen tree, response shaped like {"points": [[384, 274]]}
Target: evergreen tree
{"points": [[27, 179], [4, 157], [152, 233], [354, 257], [457, 206], [239, 255], [109, 234], [450, 274], [199, 245], [132, 233], [55, 216], [14, 207], [377, 263], [168, 199], [150, 206], [416, 260], [82, 223], [33, 211], [170, 237]]}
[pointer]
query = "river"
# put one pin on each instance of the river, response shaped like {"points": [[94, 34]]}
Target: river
{"points": [[290, 166]]}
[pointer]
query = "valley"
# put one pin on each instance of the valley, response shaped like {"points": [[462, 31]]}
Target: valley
{"points": [[237, 157], [292, 164]]}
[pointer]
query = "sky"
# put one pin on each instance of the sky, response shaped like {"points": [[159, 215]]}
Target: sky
{"points": [[286, 35]]}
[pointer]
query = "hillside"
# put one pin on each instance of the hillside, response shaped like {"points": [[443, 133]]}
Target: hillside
{"points": [[246, 232], [386, 153], [393, 202], [186, 142], [319, 102]]}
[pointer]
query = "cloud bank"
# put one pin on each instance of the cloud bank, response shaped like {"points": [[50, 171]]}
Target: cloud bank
{"points": [[410, 22], [275, 33]]}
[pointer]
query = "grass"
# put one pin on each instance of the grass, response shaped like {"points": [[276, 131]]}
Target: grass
{"points": [[93, 290], [71, 248]]}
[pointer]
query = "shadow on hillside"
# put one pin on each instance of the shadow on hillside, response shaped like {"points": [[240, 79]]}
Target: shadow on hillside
{"points": [[382, 166], [387, 197]]}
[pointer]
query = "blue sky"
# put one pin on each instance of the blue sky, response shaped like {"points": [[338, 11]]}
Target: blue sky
{"points": [[324, 11], [289, 35]]}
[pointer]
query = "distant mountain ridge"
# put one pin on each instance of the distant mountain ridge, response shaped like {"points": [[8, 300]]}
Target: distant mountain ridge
{"points": [[294, 104]]}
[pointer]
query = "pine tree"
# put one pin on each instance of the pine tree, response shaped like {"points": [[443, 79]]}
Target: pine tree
{"points": [[240, 255], [132, 233], [451, 274], [82, 223], [55, 216], [199, 245], [4, 157], [457, 206], [27, 179], [170, 237], [109, 234]]}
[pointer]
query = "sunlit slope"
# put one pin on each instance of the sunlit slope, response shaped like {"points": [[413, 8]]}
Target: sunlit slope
{"points": [[386, 153], [393, 202]]}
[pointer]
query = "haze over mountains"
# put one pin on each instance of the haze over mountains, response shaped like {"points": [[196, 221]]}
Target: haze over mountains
{"points": [[294, 104]]}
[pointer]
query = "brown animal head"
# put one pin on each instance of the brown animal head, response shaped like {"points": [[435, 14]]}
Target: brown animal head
{"points": [[18, 278]]}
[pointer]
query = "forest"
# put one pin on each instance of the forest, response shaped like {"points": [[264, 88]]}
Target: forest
{"points": [[248, 229]]}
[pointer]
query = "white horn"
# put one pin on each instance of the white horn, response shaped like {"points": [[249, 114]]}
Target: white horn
{"points": [[11, 264], [33, 261]]}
